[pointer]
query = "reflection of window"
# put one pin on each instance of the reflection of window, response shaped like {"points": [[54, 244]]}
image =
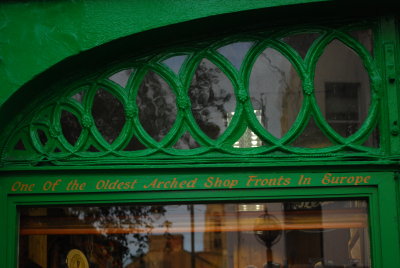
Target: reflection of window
{"points": [[342, 108], [249, 139], [235, 235]]}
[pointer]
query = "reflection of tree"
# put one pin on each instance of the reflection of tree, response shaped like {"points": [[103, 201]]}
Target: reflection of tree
{"points": [[108, 114], [126, 219], [209, 100], [157, 107]]}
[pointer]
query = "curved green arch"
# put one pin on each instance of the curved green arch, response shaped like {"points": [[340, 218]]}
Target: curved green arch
{"points": [[36, 35]]}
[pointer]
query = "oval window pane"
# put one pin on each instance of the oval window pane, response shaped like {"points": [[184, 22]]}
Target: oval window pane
{"points": [[108, 114], [42, 136], [342, 88], [157, 106], [275, 91], [212, 96], [71, 128]]}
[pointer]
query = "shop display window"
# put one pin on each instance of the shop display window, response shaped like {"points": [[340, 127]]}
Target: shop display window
{"points": [[293, 234]]}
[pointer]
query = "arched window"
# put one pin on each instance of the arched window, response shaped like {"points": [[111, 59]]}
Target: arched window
{"points": [[311, 91]]}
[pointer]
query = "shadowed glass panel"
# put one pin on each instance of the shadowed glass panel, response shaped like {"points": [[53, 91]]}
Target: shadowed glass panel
{"points": [[108, 114], [275, 91], [291, 234], [79, 96], [20, 146], [301, 42], [157, 106], [235, 52], [373, 140], [342, 88], [365, 37], [70, 126], [134, 145], [121, 77], [212, 97], [175, 63], [312, 137], [93, 149], [186, 142], [41, 134]]}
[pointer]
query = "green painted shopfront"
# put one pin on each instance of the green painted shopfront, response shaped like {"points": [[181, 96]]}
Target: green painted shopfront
{"points": [[199, 134]]}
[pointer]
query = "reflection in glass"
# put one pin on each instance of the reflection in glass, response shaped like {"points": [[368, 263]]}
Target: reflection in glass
{"points": [[70, 126], [121, 77], [342, 88], [249, 139], [175, 63], [235, 52], [312, 137], [301, 42], [79, 96], [108, 114], [373, 141], [232, 235], [212, 97], [365, 37], [275, 89], [157, 106], [186, 142]]}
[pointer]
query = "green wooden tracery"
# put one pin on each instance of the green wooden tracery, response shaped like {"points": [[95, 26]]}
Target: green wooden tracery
{"points": [[83, 137]]}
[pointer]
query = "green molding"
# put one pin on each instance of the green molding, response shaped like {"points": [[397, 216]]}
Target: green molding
{"points": [[3, 223]]}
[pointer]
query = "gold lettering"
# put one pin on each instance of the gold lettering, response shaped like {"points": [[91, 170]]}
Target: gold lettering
{"points": [[151, 185]]}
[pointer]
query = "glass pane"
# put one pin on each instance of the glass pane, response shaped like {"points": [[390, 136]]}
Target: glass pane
{"points": [[248, 140], [342, 88], [186, 142], [20, 146], [121, 77], [301, 42], [42, 136], [312, 137], [70, 126], [365, 37], [277, 234], [374, 139], [157, 106], [175, 63], [108, 114], [235, 52], [134, 145], [79, 96], [212, 97], [275, 91]]}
